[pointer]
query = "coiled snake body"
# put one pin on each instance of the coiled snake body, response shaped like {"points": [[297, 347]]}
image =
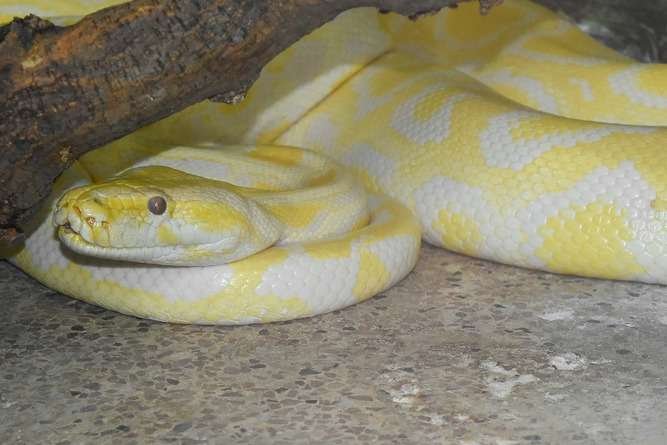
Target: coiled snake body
{"points": [[512, 137]]}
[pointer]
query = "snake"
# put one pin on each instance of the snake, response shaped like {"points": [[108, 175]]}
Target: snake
{"points": [[512, 137]]}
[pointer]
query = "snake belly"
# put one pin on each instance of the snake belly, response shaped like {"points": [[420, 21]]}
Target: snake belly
{"points": [[512, 137]]}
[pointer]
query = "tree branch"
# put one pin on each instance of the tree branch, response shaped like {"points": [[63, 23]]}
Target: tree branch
{"points": [[67, 90]]}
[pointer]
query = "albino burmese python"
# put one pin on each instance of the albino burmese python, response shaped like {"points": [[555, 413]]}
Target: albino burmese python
{"points": [[512, 137]]}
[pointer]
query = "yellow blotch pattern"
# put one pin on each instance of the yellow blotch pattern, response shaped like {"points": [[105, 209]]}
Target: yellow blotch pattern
{"points": [[324, 179], [373, 275], [659, 205], [166, 236], [425, 109], [323, 250], [278, 155], [208, 216], [588, 241], [651, 81], [295, 214], [459, 233]]}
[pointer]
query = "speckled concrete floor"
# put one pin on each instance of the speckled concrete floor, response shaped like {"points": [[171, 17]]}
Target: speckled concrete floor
{"points": [[463, 352]]}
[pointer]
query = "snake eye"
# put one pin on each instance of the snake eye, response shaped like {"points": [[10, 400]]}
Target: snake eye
{"points": [[157, 205]]}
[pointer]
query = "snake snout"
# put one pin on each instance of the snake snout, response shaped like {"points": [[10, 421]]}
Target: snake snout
{"points": [[86, 218], [68, 217]]}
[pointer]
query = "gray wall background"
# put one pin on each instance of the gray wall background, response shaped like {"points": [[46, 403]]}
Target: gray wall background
{"points": [[636, 27]]}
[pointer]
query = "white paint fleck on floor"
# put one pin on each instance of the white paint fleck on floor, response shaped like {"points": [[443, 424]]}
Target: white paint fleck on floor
{"points": [[501, 381], [565, 314], [568, 362]]}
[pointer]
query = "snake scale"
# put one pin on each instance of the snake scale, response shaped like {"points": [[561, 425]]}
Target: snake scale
{"points": [[512, 137]]}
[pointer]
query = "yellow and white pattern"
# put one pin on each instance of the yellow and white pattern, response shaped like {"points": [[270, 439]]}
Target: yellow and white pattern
{"points": [[512, 137]]}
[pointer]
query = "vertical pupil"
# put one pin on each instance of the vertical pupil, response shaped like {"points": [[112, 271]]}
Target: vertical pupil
{"points": [[157, 205]]}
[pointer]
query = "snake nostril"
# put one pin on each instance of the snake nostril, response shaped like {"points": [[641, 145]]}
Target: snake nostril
{"points": [[91, 221]]}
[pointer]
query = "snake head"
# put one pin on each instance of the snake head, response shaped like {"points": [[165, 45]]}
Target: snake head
{"points": [[159, 215]]}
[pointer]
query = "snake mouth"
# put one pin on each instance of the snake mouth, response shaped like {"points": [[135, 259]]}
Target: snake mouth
{"points": [[75, 241], [150, 255], [78, 244]]}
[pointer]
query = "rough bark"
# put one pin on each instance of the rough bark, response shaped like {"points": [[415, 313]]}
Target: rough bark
{"points": [[67, 90]]}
